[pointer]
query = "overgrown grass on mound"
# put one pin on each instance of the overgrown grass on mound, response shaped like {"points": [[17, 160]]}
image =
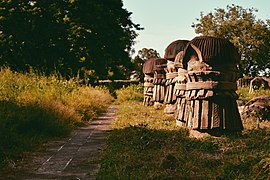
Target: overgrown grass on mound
{"points": [[146, 144], [133, 92], [245, 96], [34, 109]]}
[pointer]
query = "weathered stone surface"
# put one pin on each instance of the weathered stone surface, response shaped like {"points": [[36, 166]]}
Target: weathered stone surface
{"points": [[259, 82], [258, 107], [159, 80], [211, 83], [244, 81], [174, 55]]}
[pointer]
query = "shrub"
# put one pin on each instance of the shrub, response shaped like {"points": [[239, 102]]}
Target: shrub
{"points": [[35, 108], [133, 92]]}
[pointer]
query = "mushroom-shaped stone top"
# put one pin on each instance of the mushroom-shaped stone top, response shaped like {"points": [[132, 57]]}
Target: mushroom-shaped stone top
{"points": [[178, 62], [174, 48], [148, 66], [160, 64], [211, 50]]}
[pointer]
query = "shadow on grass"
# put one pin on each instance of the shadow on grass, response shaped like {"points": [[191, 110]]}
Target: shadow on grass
{"points": [[23, 128], [137, 152]]}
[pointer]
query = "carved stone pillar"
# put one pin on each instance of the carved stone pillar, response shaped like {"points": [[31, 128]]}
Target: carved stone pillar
{"points": [[182, 111], [148, 70], [170, 97], [148, 90], [159, 82], [172, 54], [211, 85]]}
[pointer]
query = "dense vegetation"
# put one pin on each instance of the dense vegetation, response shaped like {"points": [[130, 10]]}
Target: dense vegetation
{"points": [[90, 37], [240, 26], [146, 144], [94, 38], [35, 109]]}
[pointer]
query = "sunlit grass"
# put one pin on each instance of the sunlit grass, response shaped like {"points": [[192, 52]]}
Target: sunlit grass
{"points": [[146, 144], [133, 92], [35, 108], [245, 96]]}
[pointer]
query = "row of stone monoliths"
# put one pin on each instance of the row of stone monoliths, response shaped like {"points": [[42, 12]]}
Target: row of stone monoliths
{"points": [[196, 80]]}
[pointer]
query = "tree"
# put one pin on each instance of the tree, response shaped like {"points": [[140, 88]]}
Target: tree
{"points": [[66, 35], [239, 25], [143, 55]]}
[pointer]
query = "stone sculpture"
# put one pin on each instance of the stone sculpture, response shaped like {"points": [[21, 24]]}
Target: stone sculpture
{"points": [[171, 73], [258, 82], [159, 82], [211, 85], [244, 81], [148, 70], [181, 113], [258, 107]]}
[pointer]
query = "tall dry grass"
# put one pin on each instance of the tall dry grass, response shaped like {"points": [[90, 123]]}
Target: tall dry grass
{"points": [[35, 108], [133, 92]]}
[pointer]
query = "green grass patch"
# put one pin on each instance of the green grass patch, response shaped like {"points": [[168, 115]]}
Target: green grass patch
{"points": [[245, 96], [35, 109], [133, 92], [146, 144]]}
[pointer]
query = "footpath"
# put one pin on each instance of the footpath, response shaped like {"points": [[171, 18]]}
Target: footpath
{"points": [[76, 157]]}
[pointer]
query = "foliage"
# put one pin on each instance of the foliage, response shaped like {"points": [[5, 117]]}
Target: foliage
{"points": [[133, 92], [143, 55], [245, 96], [146, 144], [34, 109], [240, 26], [66, 36]]}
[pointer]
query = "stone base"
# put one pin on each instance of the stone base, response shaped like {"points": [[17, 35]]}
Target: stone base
{"points": [[157, 105], [197, 134], [170, 109], [180, 123]]}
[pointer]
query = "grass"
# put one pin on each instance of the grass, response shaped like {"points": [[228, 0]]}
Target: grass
{"points": [[146, 144], [35, 109], [245, 96], [133, 92]]}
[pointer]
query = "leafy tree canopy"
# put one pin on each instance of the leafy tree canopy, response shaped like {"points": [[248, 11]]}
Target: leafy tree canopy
{"points": [[240, 26], [143, 55], [66, 36]]}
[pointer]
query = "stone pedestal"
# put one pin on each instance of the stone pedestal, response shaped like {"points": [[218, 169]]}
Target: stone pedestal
{"points": [[159, 80], [148, 90], [210, 98]]}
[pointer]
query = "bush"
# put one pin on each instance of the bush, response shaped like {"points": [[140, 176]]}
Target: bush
{"points": [[245, 96], [133, 92], [35, 108]]}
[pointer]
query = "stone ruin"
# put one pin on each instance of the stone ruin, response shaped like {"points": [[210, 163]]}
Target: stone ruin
{"points": [[244, 81], [210, 98], [159, 82], [197, 81], [148, 70], [258, 107], [171, 52], [259, 82]]}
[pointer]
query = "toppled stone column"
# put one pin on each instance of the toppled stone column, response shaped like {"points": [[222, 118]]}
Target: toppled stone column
{"points": [[211, 85]]}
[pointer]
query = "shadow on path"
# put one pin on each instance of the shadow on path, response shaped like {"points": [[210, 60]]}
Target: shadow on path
{"points": [[76, 157]]}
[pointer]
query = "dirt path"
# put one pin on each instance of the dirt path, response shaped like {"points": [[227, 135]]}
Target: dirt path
{"points": [[76, 157]]}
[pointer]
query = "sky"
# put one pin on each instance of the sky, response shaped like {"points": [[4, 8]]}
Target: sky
{"points": [[165, 21]]}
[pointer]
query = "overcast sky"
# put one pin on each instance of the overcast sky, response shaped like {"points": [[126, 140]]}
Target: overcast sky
{"points": [[167, 20]]}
